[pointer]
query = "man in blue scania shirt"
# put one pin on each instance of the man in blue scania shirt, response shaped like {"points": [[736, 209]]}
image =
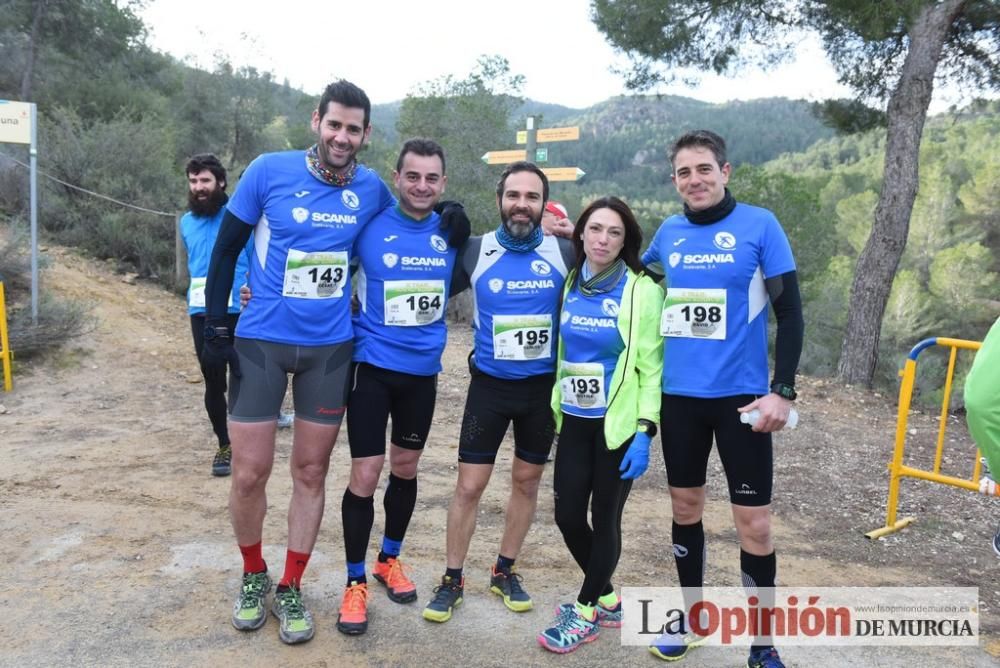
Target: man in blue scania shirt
{"points": [[516, 275], [199, 227], [306, 209], [724, 262], [405, 267]]}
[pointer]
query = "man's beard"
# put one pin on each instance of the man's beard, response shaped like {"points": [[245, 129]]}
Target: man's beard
{"points": [[207, 207], [520, 230]]}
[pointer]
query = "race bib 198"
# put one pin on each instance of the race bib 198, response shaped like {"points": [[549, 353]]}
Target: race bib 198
{"points": [[318, 275], [413, 303], [522, 337], [694, 313]]}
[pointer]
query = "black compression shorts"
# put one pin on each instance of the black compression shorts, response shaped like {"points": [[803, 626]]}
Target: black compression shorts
{"points": [[376, 394]]}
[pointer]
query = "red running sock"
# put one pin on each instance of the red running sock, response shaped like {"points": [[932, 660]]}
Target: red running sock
{"points": [[253, 560], [295, 565]]}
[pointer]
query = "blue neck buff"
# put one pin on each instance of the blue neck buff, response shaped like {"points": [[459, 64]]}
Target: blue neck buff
{"points": [[519, 244]]}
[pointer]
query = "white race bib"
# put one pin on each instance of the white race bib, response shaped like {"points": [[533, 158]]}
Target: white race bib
{"points": [[522, 337], [318, 275], [413, 303], [582, 384], [694, 313], [196, 296]]}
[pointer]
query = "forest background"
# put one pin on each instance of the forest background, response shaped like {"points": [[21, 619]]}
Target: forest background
{"points": [[119, 119]]}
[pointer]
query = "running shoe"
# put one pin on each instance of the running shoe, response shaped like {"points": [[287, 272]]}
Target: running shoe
{"points": [[675, 646], [392, 574], [508, 585], [250, 610], [568, 631], [353, 617], [285, 420], [296, 621], [222, 464], [610, 617], [996, 541], [447, 597], [765, 658]]}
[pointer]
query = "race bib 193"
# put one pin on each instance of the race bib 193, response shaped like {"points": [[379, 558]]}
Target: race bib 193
{"points": [[522, 337], [318, 275], [582, 384], [694, 313]]}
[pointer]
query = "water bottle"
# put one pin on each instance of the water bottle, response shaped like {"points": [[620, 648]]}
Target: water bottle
{"points": [[750, 418]]}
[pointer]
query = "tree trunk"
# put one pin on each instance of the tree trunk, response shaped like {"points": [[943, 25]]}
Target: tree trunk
{"points": [[29, 61], [878, 261]]}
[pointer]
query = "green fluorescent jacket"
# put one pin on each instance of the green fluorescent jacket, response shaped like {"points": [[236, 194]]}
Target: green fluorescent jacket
{"points": [[635, 385]]}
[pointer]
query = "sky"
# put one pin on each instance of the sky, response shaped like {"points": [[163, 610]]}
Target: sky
{"points": [[390, 47]]}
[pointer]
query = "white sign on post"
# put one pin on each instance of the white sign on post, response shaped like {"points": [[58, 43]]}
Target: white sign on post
{"points": [[15, 122]]}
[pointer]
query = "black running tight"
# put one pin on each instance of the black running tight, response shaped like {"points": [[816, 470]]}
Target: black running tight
{"points": [[587, 477]]}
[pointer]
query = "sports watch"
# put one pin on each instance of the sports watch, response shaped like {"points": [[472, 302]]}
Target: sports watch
{"points": [[213, 332], [784, 391], [647, 427]]}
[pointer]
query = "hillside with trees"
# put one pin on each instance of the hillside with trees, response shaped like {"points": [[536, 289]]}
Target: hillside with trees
{"points": [[117, 120]]}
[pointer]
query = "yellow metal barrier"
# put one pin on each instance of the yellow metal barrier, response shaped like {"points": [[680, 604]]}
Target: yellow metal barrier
{"points": [[897, 469], [6, 354]]}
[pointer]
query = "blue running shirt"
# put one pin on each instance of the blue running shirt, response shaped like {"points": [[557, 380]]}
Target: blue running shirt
{"points": [[591, 346], [403, 285], [199, 234], [714, 319], [516, 307], [305, 230]]}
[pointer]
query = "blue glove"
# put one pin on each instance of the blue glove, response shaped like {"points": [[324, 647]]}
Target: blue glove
{"points": [[636, 459]]}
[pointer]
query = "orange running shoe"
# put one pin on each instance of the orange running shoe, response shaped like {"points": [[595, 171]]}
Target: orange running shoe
{"points": [[393, 575], [353, 617]]}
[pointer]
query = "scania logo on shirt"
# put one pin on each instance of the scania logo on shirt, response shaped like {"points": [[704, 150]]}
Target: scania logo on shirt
{"points": [[300, 214], [530, 285], [564, 318], [424, 261], [674, 259], [709, 258], [343, 218], [725, 241], [439, 244], [390, 259], [587, 321], [541, 267], [610, 307], [350, 200], [496, 284]]}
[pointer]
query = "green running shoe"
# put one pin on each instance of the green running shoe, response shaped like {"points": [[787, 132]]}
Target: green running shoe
{"points": [[222, 464], [296, 621], [508, 586], [447, 597], [250, 611]]}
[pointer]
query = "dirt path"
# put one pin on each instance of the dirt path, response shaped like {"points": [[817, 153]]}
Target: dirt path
{"points": [[118, 549]]}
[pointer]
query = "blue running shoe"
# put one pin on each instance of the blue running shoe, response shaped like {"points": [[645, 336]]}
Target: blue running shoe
{"points": [[610, 617], [568, 631], [675, 646], [765, 658]]}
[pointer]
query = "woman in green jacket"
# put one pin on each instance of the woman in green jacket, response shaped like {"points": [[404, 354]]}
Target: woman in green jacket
{"points": [[606, 402]]}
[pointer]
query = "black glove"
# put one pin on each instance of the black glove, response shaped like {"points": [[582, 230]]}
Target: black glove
{"points": [[454, 222], [218, 350]]}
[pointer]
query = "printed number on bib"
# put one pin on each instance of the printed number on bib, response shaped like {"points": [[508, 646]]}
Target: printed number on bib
{"points": [[413, 303], [522, 337], [696, 314], [320, 275], [196, 296], [582, 384]]}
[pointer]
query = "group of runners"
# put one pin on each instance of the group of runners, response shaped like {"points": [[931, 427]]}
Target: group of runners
{"points": [[573, 337]]}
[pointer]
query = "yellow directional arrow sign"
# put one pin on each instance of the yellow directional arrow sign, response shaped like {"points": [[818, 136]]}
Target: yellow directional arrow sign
{"points": [[550, 134], [563, 173], [502, 157]]}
